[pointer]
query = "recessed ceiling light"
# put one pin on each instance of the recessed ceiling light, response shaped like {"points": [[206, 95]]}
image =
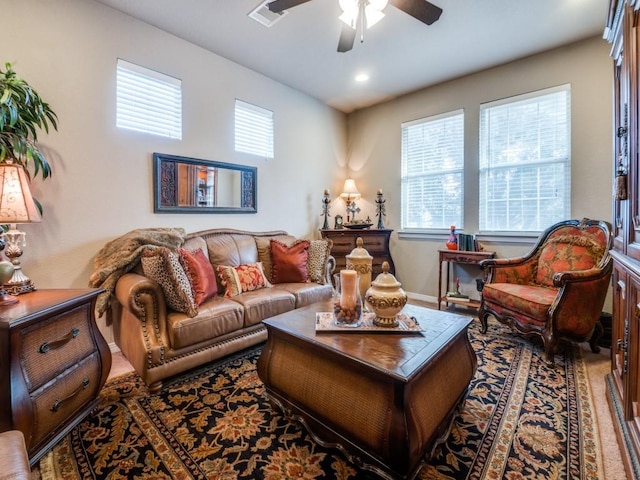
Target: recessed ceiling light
{"points": [[362, 77]]}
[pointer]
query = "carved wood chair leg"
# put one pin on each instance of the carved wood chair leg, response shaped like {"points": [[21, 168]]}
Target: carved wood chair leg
{"points": [[550, 344], [598, 332], [482, 316]]}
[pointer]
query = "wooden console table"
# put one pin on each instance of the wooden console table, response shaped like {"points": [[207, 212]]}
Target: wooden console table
{"points": [[458, 256], [375, 241], [53, 363]]}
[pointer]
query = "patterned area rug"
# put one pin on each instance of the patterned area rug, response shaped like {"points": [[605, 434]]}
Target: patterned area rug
{"points": [[521, 420]]}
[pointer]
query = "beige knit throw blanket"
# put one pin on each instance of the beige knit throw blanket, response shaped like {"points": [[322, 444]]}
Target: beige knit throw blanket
{"points": [[122, 255]]}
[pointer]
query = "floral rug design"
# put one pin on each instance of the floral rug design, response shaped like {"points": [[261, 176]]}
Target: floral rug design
{"points": [[521, 420]]}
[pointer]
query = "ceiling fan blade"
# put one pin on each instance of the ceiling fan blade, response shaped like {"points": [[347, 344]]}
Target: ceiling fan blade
{"points": [[421, 9], [347, 37], [278, 6]]}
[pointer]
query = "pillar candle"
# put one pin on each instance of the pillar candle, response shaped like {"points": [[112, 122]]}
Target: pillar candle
{"points": [[349, 285]]}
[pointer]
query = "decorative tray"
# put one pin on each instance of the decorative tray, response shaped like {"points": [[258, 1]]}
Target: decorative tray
{"points": [[357, 226], [406, 324]]}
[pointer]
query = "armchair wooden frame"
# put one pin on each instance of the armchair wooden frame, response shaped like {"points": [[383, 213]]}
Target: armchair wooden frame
{"points": [[568, 307]]}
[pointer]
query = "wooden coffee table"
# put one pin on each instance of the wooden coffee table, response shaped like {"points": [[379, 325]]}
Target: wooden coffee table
{"points": [[385, 399]]}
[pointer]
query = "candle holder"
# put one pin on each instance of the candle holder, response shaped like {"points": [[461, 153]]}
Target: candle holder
{"points": [[381, 208], [325, 209], [347, 301]]}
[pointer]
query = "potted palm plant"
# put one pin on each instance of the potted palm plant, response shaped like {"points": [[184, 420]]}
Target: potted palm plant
{"points": [[22, 114]]}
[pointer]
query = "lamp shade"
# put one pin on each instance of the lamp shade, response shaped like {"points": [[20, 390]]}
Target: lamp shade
{"points": [[16, 202], [350, 190]]}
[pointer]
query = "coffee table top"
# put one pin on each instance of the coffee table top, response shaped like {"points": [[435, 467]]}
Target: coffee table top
{"points": [[400, 355]]}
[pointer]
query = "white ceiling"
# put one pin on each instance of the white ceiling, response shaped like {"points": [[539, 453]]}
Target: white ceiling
{"points": [[400, 54]]}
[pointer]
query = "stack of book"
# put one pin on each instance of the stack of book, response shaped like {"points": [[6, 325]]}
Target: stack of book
{"points": [[468, 243], [458, 296]]}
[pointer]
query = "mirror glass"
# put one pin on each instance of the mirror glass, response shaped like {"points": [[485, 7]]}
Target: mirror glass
{"points": [[191, 185]]}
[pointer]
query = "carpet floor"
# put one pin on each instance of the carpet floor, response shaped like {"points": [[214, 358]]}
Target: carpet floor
{"points": [[521, 420]]}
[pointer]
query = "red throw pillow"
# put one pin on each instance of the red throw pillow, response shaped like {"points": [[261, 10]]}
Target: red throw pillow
{"points": [[200, 273], [289, 264]]}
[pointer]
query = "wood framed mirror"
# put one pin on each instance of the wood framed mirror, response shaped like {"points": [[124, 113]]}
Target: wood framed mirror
{"points": [[192, 185]]}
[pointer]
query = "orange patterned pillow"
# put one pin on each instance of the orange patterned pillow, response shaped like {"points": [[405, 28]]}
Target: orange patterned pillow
{"points": [[243, 278], [289, 264]]}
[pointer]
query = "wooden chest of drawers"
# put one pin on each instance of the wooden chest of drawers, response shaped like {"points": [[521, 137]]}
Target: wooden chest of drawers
{"points": [[53, 363], [376, 242]]}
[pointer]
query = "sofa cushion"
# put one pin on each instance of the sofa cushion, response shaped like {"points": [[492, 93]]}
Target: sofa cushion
{"points": [[263, 246], [306, 293], [262, 304], [243, 278], [566, 253], [289, 262], [216, 317], [163, 266], [200, 274], [531, 301], [194, 243], [319, 251]]}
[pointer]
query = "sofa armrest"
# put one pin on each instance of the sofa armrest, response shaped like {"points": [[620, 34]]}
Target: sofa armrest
{"points": [[144, 300], [14, 462], [330, 267]]}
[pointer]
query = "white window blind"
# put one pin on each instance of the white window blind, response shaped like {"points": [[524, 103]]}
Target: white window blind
{"points": [[148, 101], [433, 172], [254, 130], [525, 161]]}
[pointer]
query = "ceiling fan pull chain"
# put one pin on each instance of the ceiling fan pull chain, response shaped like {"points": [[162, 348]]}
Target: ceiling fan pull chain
{"points": [[363, 19]]}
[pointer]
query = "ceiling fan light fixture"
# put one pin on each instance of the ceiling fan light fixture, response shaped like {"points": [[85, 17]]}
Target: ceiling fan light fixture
{"points": [[372, 11]]}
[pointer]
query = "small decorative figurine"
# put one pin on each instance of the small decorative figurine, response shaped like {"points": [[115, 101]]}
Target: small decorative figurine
{"points": [[325, 209], [380, 204], [452, 244]]}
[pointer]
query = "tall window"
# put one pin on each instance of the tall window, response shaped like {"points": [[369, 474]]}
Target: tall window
{"points": [[525, 161], [148, 101], [254, 130], [432, 172]]}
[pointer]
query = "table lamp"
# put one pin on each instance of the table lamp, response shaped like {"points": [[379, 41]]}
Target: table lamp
{"points": [[16, 206], [350, 193]]}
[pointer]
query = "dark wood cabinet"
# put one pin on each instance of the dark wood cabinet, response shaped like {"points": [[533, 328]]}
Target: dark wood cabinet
{"points": [[623, 386], [375, 241], [53, 363]]}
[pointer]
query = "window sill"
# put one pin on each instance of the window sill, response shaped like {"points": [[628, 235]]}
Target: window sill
{"points": [[494, 237]]}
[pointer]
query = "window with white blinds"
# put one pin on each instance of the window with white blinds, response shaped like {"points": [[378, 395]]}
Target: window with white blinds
{"points": [[433, 172], [148, 101], [254, 130], [525, 161]]}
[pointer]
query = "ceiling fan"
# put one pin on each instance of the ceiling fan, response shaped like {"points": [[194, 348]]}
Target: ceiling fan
{"points": [[365, 13]]}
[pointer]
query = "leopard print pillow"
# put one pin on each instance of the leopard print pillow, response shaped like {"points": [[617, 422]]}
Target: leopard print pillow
{"points": [[163, 266], [319, 251]]}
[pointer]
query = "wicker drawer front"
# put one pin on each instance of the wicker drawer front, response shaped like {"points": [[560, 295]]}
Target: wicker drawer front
{"points": [[375, 244], [58, 401], [342, 245], [55, 345]]}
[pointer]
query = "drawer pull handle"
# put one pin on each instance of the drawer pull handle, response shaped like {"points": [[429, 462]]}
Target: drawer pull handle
{"points": [[46, 346], [58, 403]]}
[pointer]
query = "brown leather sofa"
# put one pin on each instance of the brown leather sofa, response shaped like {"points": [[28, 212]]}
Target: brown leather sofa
{"points": [[161, 343], [14, 462]]}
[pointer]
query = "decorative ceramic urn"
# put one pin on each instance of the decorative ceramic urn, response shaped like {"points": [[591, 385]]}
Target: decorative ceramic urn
{"points": [[386, 298], [360, 261]]}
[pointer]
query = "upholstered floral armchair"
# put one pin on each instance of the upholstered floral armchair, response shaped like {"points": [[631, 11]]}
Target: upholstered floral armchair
{"points": [[557, 290]]}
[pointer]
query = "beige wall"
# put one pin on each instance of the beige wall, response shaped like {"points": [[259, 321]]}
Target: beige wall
{"points": [[102, 176], [374, 146], [102, 182]]}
